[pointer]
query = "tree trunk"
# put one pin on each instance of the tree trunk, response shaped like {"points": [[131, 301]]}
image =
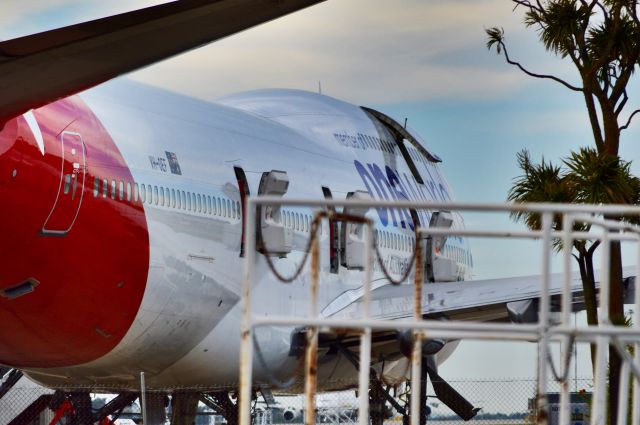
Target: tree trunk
{"points": [[611, 131], [585, 261], [616, 316]]}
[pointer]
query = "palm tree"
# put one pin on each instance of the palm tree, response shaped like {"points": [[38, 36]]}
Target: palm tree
{"points": [[589, 178]]}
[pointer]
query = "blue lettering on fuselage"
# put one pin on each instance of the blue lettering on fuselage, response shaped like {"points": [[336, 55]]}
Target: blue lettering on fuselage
{"points": [[394, 185]]}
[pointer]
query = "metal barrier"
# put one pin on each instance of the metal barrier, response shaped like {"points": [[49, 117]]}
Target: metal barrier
{"points": [[544, 332]]}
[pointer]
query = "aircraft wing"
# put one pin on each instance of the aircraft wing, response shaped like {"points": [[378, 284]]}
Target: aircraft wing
{"points": [[41, 68], [478, 300], [513, 298]]}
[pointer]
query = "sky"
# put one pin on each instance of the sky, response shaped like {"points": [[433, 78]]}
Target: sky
{"points": [[424, 60]]}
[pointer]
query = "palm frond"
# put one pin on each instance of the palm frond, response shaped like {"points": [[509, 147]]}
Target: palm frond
{"points": [[495, 38]]}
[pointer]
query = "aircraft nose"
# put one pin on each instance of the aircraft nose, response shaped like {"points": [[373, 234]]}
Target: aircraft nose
{"points": [[39, 299], [73, 266], [37, 318], [23, 199]]}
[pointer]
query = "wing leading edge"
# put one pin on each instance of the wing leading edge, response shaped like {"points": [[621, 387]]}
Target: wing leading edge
{"points": [[479, 300], [41, 68]]}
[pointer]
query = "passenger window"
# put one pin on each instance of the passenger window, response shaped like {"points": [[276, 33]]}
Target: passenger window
{"points": [[193, 201], [128, 191], [239, 210], [105, 184], [113, 189], [67, 183], [96, 186], [136, 192], [219, 209], [156, 196], [209, 203], [121, 190], [199, 203], [189, 201], [143, 193], [173, 198]]}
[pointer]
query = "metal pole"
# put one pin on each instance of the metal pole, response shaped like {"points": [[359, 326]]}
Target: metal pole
{"points": [[636, 352], [416, 355], [575, 356], [365, 338], [599, 406], [623, 394], [143, 399], [567, 245], [542, 405], [246, 344], [311, 354]]}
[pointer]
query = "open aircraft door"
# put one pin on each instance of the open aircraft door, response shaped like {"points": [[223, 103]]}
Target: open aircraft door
{"points": [[273, 237], [68, 200]]}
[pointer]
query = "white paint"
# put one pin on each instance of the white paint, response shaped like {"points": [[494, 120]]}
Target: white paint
{"points": [[35, 129]]}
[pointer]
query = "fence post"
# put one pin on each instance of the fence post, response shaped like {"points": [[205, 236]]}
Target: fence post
{"points": [[143, 399]]}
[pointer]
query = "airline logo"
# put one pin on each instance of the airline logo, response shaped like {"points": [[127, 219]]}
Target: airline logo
{"points": [[386, 183]]}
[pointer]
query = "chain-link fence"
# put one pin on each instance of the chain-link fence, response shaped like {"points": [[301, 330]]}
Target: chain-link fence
{"points": [[502, 402]]}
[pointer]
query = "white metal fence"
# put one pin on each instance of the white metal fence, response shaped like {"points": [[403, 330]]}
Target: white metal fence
{"points": [[545, 332]]}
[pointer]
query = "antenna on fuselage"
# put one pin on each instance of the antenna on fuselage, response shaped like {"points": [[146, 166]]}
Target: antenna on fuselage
{"points": [[405, 123]]}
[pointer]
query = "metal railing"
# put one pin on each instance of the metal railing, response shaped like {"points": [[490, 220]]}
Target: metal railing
{"points": [[544, 332]]}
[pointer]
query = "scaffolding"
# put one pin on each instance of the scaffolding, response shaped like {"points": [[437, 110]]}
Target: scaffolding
{"points": [[559, 222]]}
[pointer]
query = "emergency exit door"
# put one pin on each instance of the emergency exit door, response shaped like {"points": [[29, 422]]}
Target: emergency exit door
{"points": [[68, 200]]}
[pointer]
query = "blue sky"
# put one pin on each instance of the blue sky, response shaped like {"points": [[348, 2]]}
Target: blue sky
{"points": [[423, 60]]}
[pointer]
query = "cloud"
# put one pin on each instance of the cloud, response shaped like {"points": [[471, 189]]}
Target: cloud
{"points": [[364, 51], [20, 17]]}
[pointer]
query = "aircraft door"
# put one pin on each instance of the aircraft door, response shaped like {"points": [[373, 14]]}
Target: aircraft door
{"points": [[353, 247], [334, 236], [437, 267], [68, 200], [274, 238]]}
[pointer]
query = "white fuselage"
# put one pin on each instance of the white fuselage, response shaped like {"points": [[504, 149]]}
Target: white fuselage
{"points": [[187, 329]]}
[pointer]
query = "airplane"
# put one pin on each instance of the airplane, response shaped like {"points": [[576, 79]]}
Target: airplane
{"points": [[123, 207]]}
